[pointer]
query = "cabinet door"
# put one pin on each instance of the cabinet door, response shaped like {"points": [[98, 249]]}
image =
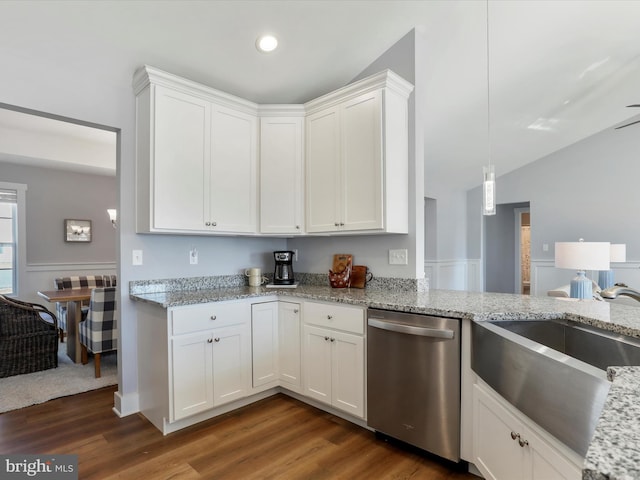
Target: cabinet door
{"points": [[289, 343], [191, 374], [264, 343], [281, 175], [323, 187], [233, 178], [231, 363], [317, 363], [181, 161], [545, 462], [361, 128], [497, 455], [347, 373]]}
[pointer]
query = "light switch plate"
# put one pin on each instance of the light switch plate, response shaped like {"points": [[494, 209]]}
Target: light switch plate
{"points": [[398, 257], [136, 257]]}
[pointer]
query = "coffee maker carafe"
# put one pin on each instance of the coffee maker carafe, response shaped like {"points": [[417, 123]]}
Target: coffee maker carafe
{"points": [[283, 274]]}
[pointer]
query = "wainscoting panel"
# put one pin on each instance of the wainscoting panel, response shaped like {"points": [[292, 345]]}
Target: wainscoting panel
{"points": [[453, 274]]}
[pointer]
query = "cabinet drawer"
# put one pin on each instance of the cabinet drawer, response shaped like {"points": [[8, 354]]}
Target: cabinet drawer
{"points": [[349, 319], [206, 316]]}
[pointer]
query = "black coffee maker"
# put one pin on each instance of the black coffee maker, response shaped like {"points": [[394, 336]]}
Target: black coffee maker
{"points": [[283, 274]]}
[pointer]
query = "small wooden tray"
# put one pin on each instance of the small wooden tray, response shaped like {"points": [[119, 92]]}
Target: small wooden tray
{"points": [[341, 261]]}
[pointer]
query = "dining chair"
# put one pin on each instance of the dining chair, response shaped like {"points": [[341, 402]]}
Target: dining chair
{"points": [[99, 332], [76, 281]]}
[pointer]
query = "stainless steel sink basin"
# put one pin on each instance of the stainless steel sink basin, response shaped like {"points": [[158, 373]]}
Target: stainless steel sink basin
{"points": [[551, 370]]}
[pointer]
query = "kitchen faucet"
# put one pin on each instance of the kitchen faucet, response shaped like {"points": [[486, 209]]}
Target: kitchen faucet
{"points": [[620, 289]]}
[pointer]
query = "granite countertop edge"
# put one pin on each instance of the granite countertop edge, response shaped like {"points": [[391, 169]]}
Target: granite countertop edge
{"points": [[614, 452]]}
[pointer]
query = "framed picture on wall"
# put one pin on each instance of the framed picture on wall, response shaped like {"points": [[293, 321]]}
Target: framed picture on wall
{"points": [[77, 230]]}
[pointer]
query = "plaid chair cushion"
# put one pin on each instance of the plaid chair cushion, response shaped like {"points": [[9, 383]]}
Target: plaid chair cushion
{"points": [[99, 331], [79, 281]]}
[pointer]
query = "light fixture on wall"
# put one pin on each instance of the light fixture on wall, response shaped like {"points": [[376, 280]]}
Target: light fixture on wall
{"points": [[618, 254], [489, 174], [113, 216], [581, 256]]}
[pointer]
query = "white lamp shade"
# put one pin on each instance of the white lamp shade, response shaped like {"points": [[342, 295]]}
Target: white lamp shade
{"points": [[618, 252], [583, 255]]}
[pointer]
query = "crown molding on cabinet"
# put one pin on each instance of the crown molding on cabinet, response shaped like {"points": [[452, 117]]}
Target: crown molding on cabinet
{"points": [[384, 79], [147, 75]]}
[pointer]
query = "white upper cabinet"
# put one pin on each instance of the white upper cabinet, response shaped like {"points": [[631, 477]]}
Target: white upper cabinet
{"points": [[233, 175], [196, 157], [281, 172], [205, 165], [357, 158]]}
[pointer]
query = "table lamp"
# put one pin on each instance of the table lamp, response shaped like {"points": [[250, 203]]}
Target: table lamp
{"points": [[581, 256], [618, 255]]}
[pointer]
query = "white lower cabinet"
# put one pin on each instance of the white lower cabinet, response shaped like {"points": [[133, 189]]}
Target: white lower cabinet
{"points": [[275, 345], [333, 358], [289, 351], [208, 366], [507, 446]]}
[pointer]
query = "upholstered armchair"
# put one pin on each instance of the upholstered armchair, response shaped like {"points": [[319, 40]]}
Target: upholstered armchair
{"points": [[28, 338], [99, 333], [84, 281]]}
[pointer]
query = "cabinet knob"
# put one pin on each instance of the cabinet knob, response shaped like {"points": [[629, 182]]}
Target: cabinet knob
{"points": [[217, 339], [213, 317], [326, 339], [209, 340], [336, 224], [214, 223], [297, 227], [333, 339], [523, 443], [295, 311], [329, 317], [342, 224], [514, 435], [208, 224]]}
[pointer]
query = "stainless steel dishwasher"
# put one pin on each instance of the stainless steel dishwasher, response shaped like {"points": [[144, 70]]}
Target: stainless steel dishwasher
{"points": [[413, 380]]}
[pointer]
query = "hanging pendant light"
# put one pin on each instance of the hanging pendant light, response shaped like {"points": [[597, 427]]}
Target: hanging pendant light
{"points": [[489, 174]]}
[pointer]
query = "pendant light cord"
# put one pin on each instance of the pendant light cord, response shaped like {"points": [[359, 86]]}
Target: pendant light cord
{"points": [[488, 94]]}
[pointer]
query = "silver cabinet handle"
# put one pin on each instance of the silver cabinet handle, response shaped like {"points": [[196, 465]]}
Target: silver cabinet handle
{"points": [[523, 443], [295, 311], [326, 339], [214, 223], [297, 227], [213, 317], [208, 224], [209, 340], [217, 339], [329, 317], [341, 224], [333, 339], [410, 329], [514, 435]]}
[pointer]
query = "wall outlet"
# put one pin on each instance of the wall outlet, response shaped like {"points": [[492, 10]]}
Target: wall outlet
{"points": [[398, 257], [193, 256], [136, 258]]}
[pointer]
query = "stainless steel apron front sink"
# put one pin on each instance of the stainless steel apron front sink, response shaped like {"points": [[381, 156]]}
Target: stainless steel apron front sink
{"points": [[554, 371]]}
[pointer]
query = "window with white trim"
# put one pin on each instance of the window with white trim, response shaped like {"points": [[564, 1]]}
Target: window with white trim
{"points": [[8, 241]]}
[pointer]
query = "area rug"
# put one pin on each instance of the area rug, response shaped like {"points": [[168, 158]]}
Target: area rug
{"points": [[68, 379]]}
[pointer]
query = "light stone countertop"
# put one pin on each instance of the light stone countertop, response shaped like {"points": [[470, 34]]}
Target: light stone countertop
{"points": [[615, 449]]}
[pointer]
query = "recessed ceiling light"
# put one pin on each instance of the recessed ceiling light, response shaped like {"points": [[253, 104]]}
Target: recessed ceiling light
{"points": [[266, 43]]}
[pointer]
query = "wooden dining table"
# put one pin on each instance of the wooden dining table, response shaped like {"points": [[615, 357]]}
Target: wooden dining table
{"points": [[73, 298]]}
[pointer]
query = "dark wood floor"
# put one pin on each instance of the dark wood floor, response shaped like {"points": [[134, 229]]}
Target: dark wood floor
{"points": [[276, 438]]}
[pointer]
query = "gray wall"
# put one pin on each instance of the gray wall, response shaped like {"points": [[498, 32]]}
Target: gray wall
{"points": [[588, 190], [54, 195], [500, 249]]}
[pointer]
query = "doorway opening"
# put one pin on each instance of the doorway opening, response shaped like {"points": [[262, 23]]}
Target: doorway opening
{"points": [[523, 251]]}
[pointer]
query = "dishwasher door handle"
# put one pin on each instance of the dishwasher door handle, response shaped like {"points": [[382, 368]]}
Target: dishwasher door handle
{"points": [[410, 329]]}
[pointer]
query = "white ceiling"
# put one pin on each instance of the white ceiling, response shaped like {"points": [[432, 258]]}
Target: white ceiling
{"points": [[559, 70]]}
